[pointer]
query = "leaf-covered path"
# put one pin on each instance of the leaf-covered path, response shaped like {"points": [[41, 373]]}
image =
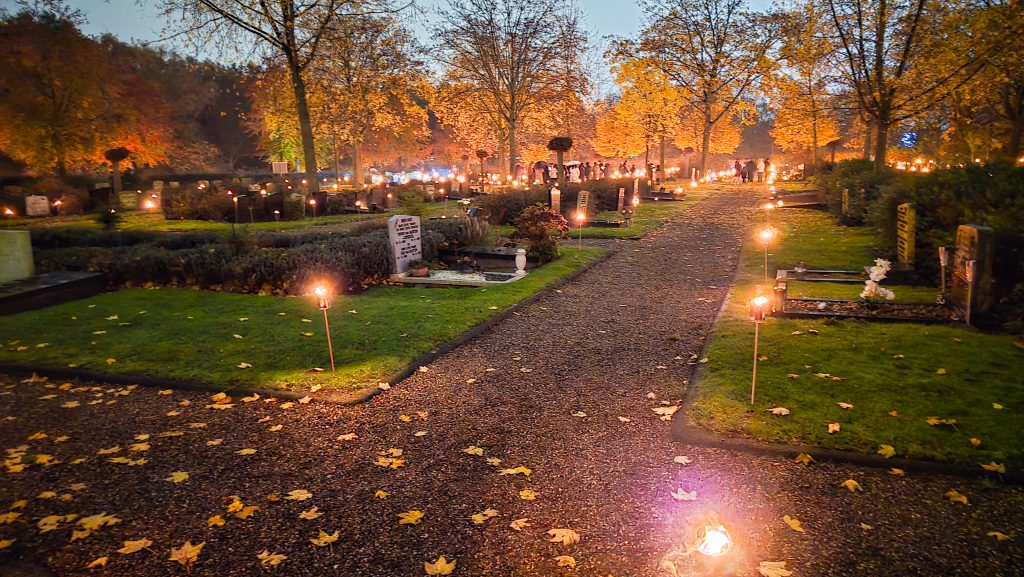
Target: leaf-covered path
{"points": [[561, 393]]}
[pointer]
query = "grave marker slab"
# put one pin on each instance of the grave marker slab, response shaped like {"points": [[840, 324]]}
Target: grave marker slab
{"points": [[37, 205], [15, 255], [622, 199], [555, 199], [972, 243], [906, 227], [406, 246], [583, 201]]}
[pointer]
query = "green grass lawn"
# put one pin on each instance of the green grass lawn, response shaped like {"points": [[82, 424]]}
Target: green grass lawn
{"points": [[918, 371], [136, 220], [188, 334]]}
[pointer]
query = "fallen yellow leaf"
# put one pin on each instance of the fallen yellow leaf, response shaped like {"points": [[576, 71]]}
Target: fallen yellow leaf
{"points": [[804, 458], [518, 524], [134, 546], [268, 559], [994, 467], [412, 517], [793, 523], [215, 521], [563, 536], [101, 562], [566, 561], [187, 554], [177, 477], [998, 536], [440, 566], [852, 485], [886, 451], [324, 539], [954, 496]]}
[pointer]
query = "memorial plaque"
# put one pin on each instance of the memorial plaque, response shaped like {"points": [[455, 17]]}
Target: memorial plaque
{"points": [[15, 255], [906, 225], [972, 243], [37, 205], [280, 167], [404, 234], [583, 201]]}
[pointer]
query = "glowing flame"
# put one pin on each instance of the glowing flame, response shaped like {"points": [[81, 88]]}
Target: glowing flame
{"points": [[149, 204], [714, 541], [581, 216]]}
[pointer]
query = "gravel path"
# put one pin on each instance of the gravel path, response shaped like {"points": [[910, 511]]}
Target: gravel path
{"points": [[565, 388]]}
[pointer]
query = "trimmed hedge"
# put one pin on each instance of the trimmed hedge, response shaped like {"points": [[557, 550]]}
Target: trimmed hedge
{"points": [[276, 264], [505, 207]]}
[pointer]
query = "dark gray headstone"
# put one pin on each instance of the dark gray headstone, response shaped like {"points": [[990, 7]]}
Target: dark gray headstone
{"points": [[972, 243]]}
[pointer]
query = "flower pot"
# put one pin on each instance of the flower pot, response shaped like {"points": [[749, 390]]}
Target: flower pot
{"points": [[419, 272]]}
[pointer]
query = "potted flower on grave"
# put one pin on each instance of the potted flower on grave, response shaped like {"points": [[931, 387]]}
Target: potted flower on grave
{"points": [[419, 267], [874, 293]]}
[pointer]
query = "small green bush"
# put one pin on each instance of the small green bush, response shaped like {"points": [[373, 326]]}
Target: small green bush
{"points": [[540, 227], [858, 177]]}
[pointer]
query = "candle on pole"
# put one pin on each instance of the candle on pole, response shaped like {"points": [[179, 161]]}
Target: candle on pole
{"points": [[765, 236], [581, 217], [312, 203], [323, 301], [758, 312]]}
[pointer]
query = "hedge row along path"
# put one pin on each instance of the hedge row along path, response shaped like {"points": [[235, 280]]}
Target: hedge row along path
{"points": [[562, 394]]}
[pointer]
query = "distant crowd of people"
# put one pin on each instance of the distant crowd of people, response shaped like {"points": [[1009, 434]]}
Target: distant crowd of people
{"points": [[751, 170], [576, 171]]}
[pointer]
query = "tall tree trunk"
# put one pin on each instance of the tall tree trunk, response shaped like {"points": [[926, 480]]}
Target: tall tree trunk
{"points": [[305, 125], [502, 167], [512, 147], [561, 170], [115, 177], [357, 165], [814, 136], [661, 160], [869, 128], [1013, 102], [881, 144], [705, 145], [337, 163]]}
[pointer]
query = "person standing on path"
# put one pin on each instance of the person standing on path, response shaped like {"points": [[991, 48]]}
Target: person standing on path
{"points": [[750, 169], [760, 170]]}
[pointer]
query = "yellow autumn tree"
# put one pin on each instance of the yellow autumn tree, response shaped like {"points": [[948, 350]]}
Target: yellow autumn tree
{"points": [[799, 88]]}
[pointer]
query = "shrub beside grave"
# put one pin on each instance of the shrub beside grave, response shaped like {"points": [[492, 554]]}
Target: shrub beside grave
{"points": [[273, 264]]}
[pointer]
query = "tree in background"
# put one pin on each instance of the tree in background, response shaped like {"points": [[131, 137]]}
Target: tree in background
{"points": [[713, 51], [369, 77], [900, 59], [292, 30], [65, 100], [560, 145], [512, 57], [800, 87]]}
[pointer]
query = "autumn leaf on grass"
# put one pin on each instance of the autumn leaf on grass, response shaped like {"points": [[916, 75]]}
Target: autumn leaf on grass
{"points": [[566, 561], [111, 361], [935, 421], [940, 372], [268, 559], [994, 467], [781, 411], [793, 523], [680, 494], [852, 485], [187, 554], [440, 566], [518, 524], [310, 514], [520, 470], [954, 496], [134, 546], [481, 517], [299, 495], [410, 517], [563, 536], [804, 458], [886, 451], [101, 562], [833, 428], [177, 477], [846, 406], [324, 539], [244, 366], [998, 536], [474, 450], [773, 569], [997, 406]]}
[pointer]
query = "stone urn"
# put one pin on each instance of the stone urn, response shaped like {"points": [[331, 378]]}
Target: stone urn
{"points": [[520, 262]]}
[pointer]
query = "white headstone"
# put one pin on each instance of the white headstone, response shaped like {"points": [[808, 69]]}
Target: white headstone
{"points": [[583, 201], [404, 234], [37, 206], [15, 255]]}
